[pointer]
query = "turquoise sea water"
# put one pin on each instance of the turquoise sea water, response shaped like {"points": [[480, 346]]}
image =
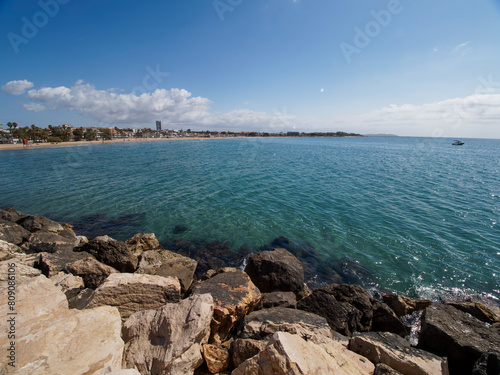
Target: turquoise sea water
{"points": [[418, 215]]}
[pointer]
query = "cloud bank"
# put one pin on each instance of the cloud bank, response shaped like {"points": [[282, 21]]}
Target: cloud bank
{"points": [[470, 116]]}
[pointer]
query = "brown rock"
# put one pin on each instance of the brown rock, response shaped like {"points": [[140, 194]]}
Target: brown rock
{"points": [[396, 352], [35, 223], [168, 340], [132, 292], [486, 313], [246, 348], [279, 299], [12, 232], [11, 214], [70, 285], [142, 242], [234, 296], [52, 264], [91, 271], [46, 242], [167, 263], [288, 354], [111, 252], [276, 270], [9, 250], [383, 369], [386, 320], [403, 306], [216, 357]]}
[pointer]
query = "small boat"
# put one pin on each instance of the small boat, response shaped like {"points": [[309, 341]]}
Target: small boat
{"points": [[457, 143]]}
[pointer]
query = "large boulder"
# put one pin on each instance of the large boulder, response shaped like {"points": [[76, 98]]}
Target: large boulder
{"points": [[234, 296], [13, 233], [447, 331], [261, 324], [52, 263], [386, 320], [168, 340], [35, 223], [278, 299], [276, 270], [132, 292], [11, 214], [396, 352], [216, 357], [21, 271], [142, 242], [403, 305], [9, 250], [50, 339], [168, 263], [91, 271], [288, 354], [341, 316], [47, 242], [111, 252]]}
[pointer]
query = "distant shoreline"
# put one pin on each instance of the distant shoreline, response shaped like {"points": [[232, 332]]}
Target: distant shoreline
{"points": [[20, 146]]}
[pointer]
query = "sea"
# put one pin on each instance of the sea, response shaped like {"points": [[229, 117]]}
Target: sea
{"points": [[414, 216]]}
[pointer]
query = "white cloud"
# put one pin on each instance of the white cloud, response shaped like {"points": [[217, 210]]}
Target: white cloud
{"points": [[17, 87], [461, 46], [34, 107]]}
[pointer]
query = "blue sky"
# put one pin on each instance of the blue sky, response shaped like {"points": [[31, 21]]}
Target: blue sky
{"points": [[422, 68]]}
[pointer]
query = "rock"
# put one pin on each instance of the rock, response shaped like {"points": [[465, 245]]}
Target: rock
{"points": [[70, 235], [290, 354], [82, 240], [487, 364], [216, 357], [81, 300], [91, 271], [142, 242], [46, 242], [132, 292], [261, 324], [447, 331], [111, 252], [386, 320], [35, 223], [485, 313], [276, 270], [234, 296], [167, 263], [125, 372], [55, 340], [178, 229], [168, 340], [70, 285], [246, 348], [21, 271], [382, 369], [12, 232], [277, 299], [403, 306], [9, 250], [11, 214], [396, 352], [341, 316], [52, 264]]}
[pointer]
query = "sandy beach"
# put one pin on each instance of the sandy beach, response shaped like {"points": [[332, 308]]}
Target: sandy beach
{"points": [[31, 146]]}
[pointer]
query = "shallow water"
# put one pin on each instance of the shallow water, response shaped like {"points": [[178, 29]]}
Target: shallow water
{"points": [[419, 215]]}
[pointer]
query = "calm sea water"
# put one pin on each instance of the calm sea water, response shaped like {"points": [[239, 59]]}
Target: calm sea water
{"points": [[418, 215]]}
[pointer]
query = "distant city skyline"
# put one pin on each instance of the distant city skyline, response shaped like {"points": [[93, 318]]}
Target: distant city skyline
{"points": [[395, 66]]}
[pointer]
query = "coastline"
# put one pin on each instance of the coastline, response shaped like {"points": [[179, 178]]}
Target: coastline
{"points": [[20, 146]]}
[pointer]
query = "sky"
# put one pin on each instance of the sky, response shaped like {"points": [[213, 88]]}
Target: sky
{"points": [[411, 68]]}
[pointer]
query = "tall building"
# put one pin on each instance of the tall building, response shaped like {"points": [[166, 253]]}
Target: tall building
{"points": [[158, 125]]}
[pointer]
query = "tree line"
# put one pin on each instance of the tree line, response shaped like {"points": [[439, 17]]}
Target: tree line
{"points": [[61, 133]]}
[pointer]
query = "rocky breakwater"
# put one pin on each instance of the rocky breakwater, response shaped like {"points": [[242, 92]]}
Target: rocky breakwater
{"points": [[74, 306]]}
